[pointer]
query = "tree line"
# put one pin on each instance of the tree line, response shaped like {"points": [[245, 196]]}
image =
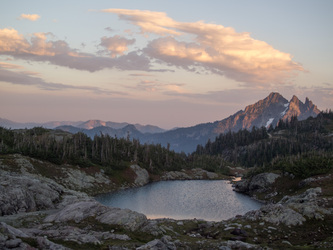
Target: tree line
{"points": [[290, 143], [79, 149]]}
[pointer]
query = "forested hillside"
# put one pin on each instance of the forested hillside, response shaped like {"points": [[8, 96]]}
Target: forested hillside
{"points": [[300, 147], [79, 149]]}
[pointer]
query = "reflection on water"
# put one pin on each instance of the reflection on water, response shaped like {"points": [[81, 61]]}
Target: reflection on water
{"points": [[208, 200]]}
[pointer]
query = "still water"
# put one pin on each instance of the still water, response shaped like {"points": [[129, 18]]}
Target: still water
{"points": [[201, 199]]}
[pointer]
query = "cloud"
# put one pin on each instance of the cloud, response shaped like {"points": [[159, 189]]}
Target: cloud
{"points": [[40, 48], [197, 47], [109, 29], [28, 78], [158, 86], [149, 21], [138, 75], [116, 45], [215, 49], [10, 66], [31, 17]]}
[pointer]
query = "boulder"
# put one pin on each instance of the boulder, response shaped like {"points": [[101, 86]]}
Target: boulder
{"points": [[259, 183], [242, 186], [262, 181], [142, 175]]}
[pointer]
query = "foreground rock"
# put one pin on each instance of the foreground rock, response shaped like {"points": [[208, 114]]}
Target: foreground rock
{"points": [[80, 211], [20, 194]]}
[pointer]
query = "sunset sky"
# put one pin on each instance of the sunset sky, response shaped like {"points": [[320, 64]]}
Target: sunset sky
{"points": [[165, 63]]}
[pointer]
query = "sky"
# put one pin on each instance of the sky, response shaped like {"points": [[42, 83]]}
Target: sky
{"points": [[164, 63]]}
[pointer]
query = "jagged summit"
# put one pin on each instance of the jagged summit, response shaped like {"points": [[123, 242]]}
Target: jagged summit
{"points": [[265, 112], [272, 99], [300, 109]]}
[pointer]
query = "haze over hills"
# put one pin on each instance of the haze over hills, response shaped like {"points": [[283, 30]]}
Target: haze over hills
{"points": [[266, 112], [76, 126]]}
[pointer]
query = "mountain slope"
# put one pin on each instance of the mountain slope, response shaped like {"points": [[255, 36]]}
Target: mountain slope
{"points": [[265, 112]]}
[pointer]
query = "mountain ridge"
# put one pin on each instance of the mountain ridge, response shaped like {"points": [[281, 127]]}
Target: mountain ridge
{"points": [[80, 125], [266, 112]]}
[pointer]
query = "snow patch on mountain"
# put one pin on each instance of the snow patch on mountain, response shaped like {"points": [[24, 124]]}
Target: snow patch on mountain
{"points": [[269, 122], [285, 111]]}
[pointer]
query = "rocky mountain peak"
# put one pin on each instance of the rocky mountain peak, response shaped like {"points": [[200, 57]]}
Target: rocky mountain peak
{"points": [[308, 102], [274, 99], [300, 109], [294, 99]]}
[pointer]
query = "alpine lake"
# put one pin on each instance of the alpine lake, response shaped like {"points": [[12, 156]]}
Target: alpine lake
{"points": [[210, 200]]}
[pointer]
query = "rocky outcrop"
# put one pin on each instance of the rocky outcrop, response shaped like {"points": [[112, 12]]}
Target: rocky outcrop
{"points": [[276, 214], [74, 234], [11, 238], [142, 175], [192, 174], [262, 181], [164, 243], [258, 183], [26, 190], [78, 180], [67, 176], [20, 194], [92, 209], [293, 210]]}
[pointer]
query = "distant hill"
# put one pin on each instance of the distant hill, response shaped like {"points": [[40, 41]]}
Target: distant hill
{"points": [[76, 126], [53, 124]]}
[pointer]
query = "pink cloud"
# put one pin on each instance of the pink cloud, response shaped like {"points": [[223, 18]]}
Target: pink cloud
{"points": [[29, 78], [31, 17], [215, 48], [40, 48], [9, 66], [116, 45], [148, 21]]}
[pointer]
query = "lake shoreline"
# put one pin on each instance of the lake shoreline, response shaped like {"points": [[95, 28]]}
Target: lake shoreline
{"points": [[55, 211]]}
